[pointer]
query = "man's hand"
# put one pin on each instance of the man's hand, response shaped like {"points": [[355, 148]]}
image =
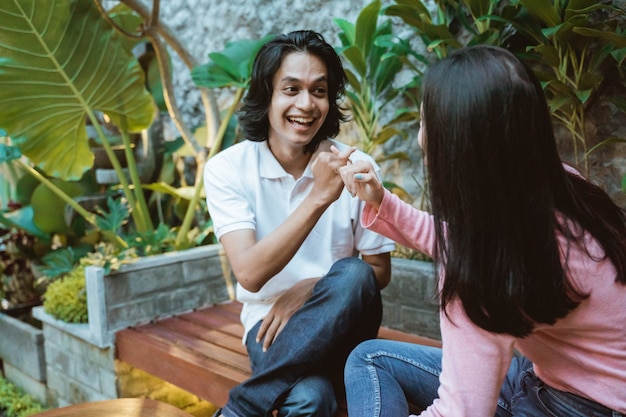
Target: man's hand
{"points": [[325, 168], [283, 309]]}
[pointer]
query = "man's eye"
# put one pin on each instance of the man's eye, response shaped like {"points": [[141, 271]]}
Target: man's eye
{"points": [[290, 89], [320, 91]]}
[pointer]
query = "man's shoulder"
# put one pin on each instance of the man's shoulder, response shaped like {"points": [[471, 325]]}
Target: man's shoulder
{"points": [[238, 151]]}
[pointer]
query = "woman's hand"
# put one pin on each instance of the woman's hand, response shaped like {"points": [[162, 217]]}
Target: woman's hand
{"points": [[360, 180]]}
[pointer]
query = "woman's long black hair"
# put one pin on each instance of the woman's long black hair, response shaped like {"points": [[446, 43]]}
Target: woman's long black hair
{"points": [[500, 194], [254, 110]]}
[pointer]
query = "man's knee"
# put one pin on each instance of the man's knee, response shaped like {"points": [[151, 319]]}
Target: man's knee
{"points": [[354, 273], [311, 396]]}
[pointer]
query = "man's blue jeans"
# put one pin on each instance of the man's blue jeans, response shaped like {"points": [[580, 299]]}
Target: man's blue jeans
{"points": [[383, 376], [294, 375]]}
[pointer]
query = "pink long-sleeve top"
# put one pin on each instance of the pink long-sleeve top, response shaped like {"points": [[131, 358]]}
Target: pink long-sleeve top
{"points": [[584, 353]]}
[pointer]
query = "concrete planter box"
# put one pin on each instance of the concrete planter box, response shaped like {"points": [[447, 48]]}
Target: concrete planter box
{"points": [[409, 301], [80, 358], [23, 356]]}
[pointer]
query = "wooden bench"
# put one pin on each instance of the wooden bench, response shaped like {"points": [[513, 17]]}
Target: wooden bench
{"points": [[201, 351]]}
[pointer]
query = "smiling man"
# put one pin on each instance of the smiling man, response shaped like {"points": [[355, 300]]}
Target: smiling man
{"points": [[309, 276]]}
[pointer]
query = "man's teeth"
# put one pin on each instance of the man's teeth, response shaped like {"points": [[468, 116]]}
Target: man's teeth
{"points": [[302, 120]]}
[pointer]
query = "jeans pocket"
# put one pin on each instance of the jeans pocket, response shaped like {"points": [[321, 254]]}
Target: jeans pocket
{"points": [[530, 400], [560, 405], [537, 399]]}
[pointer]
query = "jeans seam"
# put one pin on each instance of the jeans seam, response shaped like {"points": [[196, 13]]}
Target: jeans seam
{"points": [[402, 358], [371, 368]]}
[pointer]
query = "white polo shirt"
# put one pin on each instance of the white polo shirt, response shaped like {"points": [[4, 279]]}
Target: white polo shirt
{"points": [[247, 188]]}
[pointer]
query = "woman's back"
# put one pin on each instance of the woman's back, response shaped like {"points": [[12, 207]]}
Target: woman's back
{"points": [[585, 352]]}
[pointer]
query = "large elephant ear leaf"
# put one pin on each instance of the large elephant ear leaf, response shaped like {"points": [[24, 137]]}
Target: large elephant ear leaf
{"points": [[60, 61]]}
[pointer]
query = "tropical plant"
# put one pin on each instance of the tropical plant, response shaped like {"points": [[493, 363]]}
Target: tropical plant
{"points": [[76, 86], [69, 85], [572, 45], [575, 44], [84, 71], [374, 57]]}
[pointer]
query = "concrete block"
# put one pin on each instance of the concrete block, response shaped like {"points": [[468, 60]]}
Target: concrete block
{"points": [[21, 345], [108, 383]]}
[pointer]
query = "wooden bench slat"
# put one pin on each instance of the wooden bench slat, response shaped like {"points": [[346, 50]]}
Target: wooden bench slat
{"points": [[208, 379], [206, 334], [201, 351], [207, 318], [393, 334], [233, 307]]}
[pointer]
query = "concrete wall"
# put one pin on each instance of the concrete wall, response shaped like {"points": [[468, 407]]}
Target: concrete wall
{"points": [[409, 301], [78, 371], [22, 355]]}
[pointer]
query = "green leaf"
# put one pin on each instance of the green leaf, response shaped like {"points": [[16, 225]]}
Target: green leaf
{"points": [[583, 95], [25, 187], [58, 262], [353, 81], [543, 10], [232, 67], [116, 216], [559, 101], [385, 134], [185, 193], [226, 64], [412, 12], [355, 56], [130, 21], [478, 8], [616, 39], [347, 30], [49, 209], [23, 219], [365, 27], [60, 60], [619, 55]]}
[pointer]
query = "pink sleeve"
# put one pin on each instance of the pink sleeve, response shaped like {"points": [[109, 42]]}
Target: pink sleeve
{"points": [[475, 363], [401, 222]]}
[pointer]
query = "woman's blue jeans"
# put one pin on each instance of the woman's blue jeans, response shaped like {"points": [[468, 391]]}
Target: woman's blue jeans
{"points": [[383, 377], [296, 374]]}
